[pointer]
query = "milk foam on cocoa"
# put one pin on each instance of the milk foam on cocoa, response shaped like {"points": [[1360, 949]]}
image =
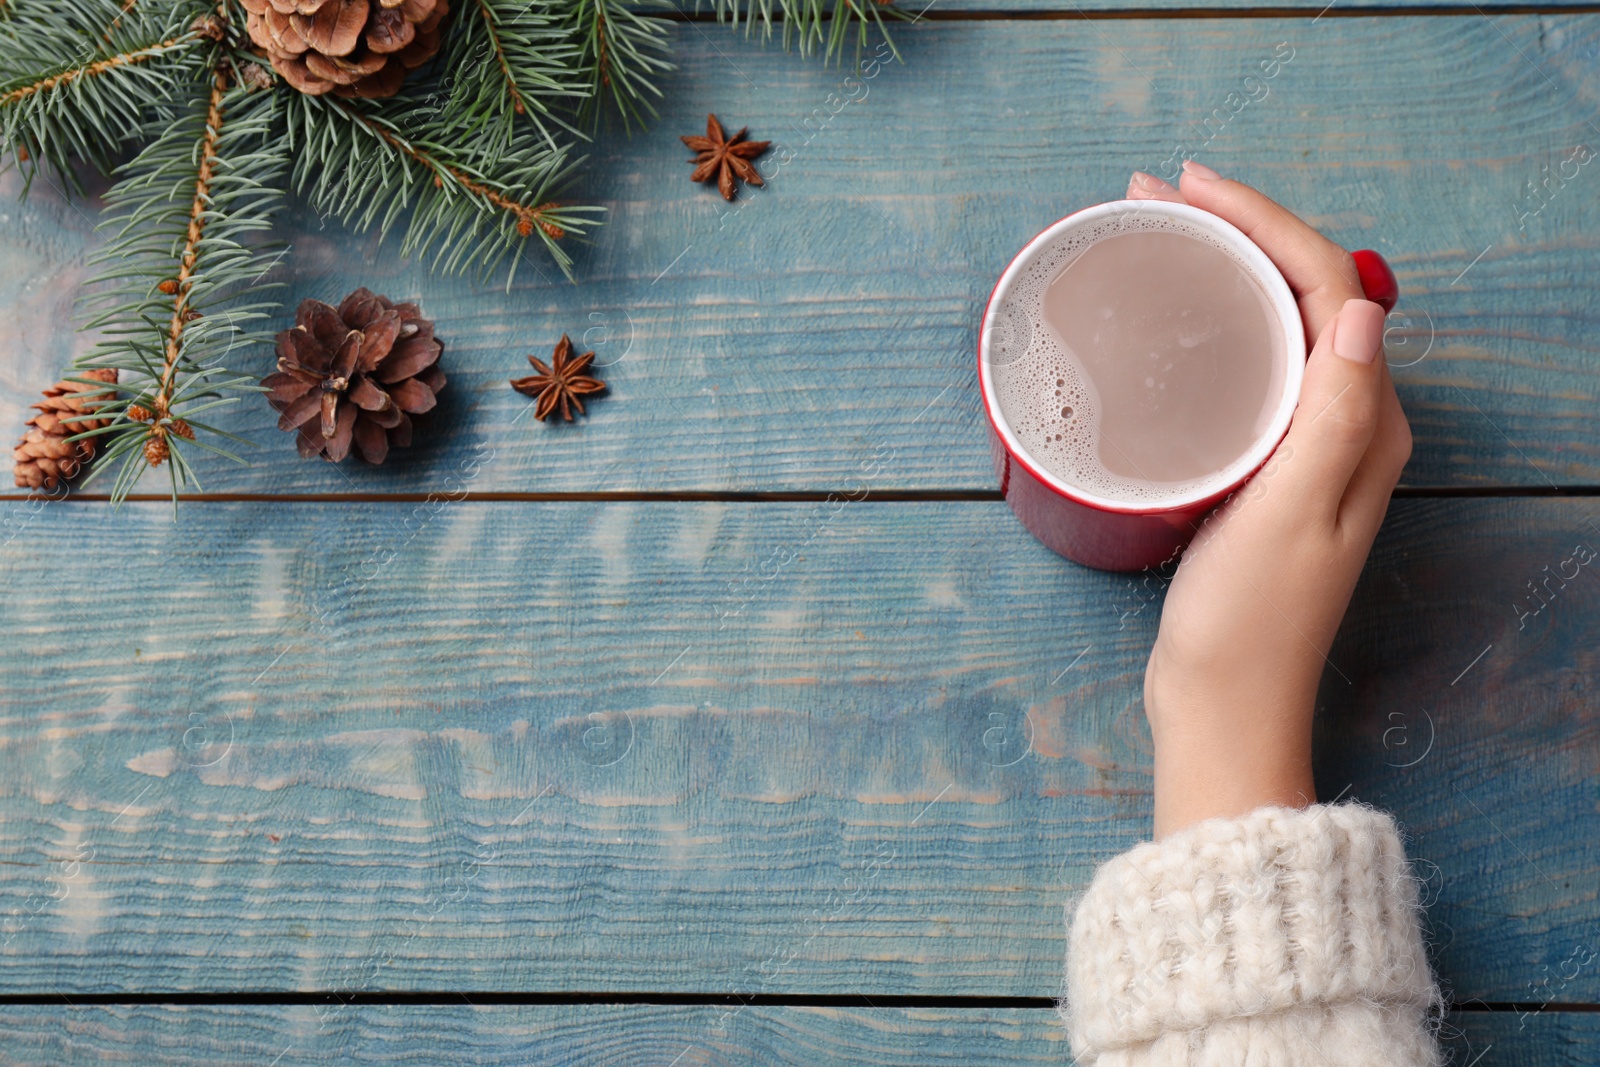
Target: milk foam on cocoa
{"points": [[1183, 337]]}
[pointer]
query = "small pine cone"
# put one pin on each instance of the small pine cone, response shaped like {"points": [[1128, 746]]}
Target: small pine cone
{"points": [[139, 413], [44, 457], [351, 378], [168, 286], [156, 450], [346, 47], [182, 429]]}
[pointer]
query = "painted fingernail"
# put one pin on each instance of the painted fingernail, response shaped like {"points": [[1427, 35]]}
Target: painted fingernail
{"points": [[1148, 183], [1358, 333], [1200, 170]]}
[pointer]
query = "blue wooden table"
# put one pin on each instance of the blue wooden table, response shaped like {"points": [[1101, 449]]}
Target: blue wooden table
{"points": [[741, 723]]}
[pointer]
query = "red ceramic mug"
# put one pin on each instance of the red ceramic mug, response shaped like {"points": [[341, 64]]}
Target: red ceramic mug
{"points": [[1114, 534]]}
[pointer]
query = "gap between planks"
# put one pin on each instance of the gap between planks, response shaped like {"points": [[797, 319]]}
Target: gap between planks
{"points": [[716, 496], [1310, 11], [491, 997]]}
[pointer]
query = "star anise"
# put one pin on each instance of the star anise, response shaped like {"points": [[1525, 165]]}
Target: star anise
{"points": [[725, 157], [562, 383]]}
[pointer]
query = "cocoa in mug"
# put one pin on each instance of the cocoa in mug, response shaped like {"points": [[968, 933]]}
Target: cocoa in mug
{"points": [[1139, 360]]}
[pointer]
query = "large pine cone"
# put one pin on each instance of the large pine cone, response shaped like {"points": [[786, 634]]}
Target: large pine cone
{"points": [[348, 47], [44, 457], [354, 376]]}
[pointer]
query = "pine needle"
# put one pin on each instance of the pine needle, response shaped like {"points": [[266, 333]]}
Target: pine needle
{"points": [[812, 25]]}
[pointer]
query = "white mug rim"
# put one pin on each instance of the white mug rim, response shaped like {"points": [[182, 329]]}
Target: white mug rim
{"points": [[1285, 308]]}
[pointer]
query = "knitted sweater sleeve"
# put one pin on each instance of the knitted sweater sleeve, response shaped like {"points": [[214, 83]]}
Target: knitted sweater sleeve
{"points": [[1285, 937]]}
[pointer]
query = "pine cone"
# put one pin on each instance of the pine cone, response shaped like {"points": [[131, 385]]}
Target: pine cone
{"points": [[355, 375], [44, 457], [348, 47]]}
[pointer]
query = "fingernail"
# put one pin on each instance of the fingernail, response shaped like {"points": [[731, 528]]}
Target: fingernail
{"points": [[1148, 183], [1358, 332], [1200, 170]]}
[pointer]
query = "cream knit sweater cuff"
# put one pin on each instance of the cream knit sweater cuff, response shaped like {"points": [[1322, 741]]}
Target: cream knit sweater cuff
{"points": [[1283, 937]]}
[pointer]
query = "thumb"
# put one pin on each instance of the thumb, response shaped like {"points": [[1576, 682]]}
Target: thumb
{"points": [[1340, 400]]}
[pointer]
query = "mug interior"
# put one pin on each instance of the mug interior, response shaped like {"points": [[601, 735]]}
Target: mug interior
{"points": [[1117, 213]]}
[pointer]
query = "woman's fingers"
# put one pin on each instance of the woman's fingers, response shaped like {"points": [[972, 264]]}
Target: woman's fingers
{"points": [[1321, 274], [1349, 440], [1340, 404], [1148, 187], [1366, 499]]}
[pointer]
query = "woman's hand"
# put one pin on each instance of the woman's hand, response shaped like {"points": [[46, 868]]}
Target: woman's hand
{"points": [[1252, 612]]}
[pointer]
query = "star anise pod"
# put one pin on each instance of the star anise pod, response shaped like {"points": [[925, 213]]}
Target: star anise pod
{"points": [[725, 157], [562, 383]]}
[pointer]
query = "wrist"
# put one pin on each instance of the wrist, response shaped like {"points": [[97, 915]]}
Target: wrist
{"points": [[1225, 749], [1198, 782]]}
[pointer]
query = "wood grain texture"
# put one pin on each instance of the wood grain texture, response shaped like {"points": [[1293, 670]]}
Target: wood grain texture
{"points": [[850, 748], [647, 1036], [779, 344]]}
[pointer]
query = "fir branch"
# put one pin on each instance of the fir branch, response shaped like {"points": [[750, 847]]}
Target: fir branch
{"points": [[620, 50], [78, 80], [813, 23], [99, 66], [507, 59], [518, 102], [188, 212], [206, 153], [356, 160]]}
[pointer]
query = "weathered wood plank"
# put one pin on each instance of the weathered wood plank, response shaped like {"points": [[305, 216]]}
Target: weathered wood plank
{"points": [[716, 747], [780, 344], [646, 1036]]}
